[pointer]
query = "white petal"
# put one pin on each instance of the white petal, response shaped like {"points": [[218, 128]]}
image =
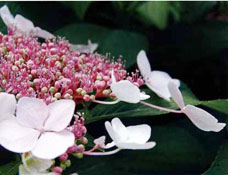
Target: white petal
{"points": [[101, 142], [6, 16], [43, 33], [139, 134], [17, 138], [90, 48], [53, 144], [135, 146], [202, 119], [31, 112], [60, 115], [8, 105], [113, 77], [158, 82], [124, 90], [24, 25], [34, 164], [144, 96], [24, 171], [176, 94], [110, 130], [121, 131], [143, 64]]}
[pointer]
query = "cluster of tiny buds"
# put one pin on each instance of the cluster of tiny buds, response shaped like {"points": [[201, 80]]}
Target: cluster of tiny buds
{"points": [[52, 71], [79, 130]]}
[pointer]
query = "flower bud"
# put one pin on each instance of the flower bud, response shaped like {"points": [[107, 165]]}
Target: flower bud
{"points": [[78, 155], [57, 170], [63, 157]]}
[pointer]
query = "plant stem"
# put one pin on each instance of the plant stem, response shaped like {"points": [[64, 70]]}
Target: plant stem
{"points": [[161, 108], [101, 153], [106, 102]]}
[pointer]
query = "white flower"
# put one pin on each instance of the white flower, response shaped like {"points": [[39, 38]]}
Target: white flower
{"points": [[124, 90], [157, 81], [22, 25], [131, 137], [101, 142], [90, 48], [34, 164], [24, 171], [200, 118], [8, 104], [38, 127]]}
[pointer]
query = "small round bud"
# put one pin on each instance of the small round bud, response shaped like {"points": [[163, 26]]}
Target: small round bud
{"points": [[92, 97], [68, 163], [66, 96], [58, 95], [63, 166], [52, 89], [99, 77], [83, 92], [15, 68], [84, 140], [78, 155], [79, 90], [57, 170], [63, 157], [54, 99], [106, 92], [86, 97], [21, 60], [44, 89]]}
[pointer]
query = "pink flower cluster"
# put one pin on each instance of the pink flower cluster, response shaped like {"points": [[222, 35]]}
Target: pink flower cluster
{"points": [[51, 70]]}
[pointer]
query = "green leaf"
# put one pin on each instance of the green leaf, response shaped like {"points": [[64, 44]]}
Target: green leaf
{"points": [[155, 13], [218, 105], [219, 166], [123, 109], [79, 7], [116, 42], [127, 44], [189, 11], [10, 168], [181, 149]]}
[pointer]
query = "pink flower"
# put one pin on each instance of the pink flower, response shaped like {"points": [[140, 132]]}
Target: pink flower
{"points": [[38, 127]]}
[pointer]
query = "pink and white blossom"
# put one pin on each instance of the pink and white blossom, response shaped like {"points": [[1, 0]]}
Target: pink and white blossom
{"points": [[157, 81], [21, 25], [126, 91], [131, 137], [101, 143], [199, 117], [90, 48], [38, 128]]}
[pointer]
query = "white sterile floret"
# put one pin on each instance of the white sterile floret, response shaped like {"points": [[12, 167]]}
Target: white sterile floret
{"points": [[101, 142], [131, 137], [157, 81], [34, 164], [199, 117], [38, 127], [90, 48], [126, 91], [8, 104], [22, 25]]}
